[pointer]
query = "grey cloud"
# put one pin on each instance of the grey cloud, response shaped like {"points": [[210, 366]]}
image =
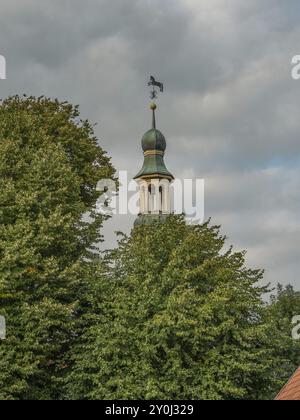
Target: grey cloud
{"points": [[230, 110]]}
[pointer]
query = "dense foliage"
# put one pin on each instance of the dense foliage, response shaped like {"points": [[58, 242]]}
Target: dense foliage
{"points": [[50, 164], [284, 306], [170, 314], [176, 317]]}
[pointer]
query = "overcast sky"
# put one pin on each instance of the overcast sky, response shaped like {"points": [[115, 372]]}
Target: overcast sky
{"points": [[230, 112]]}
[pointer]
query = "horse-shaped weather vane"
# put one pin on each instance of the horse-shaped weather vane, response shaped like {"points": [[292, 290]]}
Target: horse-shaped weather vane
{"points": [[155, 84]]}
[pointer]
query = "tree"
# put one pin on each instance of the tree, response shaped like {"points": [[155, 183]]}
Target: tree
{"points": [[179, 318], [50, 163], [284, 306]]}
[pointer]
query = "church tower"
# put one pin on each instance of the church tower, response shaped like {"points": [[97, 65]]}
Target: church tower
{"points": [[154, 179]]}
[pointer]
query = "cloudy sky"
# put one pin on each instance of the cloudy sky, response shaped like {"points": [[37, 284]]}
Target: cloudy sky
{"points": [[230, 111]]}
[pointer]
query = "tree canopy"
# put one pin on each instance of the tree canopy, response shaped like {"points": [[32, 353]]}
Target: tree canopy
{"points": [[50, 163], [171, 313], [178, 317]]}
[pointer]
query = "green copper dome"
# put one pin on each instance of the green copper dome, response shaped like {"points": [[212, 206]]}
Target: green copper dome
{"points": [[154, 146], [154, 165], [154, 140]]}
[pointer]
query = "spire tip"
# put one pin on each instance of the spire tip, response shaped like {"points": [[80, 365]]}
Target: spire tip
{"points": [[153, 107]]}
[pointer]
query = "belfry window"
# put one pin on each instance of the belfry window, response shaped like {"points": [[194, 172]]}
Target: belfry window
{"points": [[152, 198], [161, 198]]}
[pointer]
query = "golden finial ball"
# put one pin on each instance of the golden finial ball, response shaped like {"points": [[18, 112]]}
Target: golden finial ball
{"points": [[153, 106]]}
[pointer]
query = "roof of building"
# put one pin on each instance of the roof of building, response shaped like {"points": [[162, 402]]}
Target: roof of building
{"points": [[291, 391], [154, 146]]}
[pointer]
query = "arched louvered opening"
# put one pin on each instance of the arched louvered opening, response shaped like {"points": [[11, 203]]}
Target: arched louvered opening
{"points": [[161, 199], [152, 198]]}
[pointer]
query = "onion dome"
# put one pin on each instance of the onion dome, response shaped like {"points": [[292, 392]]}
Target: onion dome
{"points": [[154, 146]]}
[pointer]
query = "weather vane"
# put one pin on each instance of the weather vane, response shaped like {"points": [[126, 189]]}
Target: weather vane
{"points": [[155, 84]]}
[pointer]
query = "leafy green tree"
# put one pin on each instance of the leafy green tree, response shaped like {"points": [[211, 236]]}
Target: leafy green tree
{"points": [[50, 163], [284, 306], [179, 318]]}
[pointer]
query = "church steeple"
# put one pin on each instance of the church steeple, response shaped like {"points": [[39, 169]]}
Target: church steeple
{"points": [[154, 178]]}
